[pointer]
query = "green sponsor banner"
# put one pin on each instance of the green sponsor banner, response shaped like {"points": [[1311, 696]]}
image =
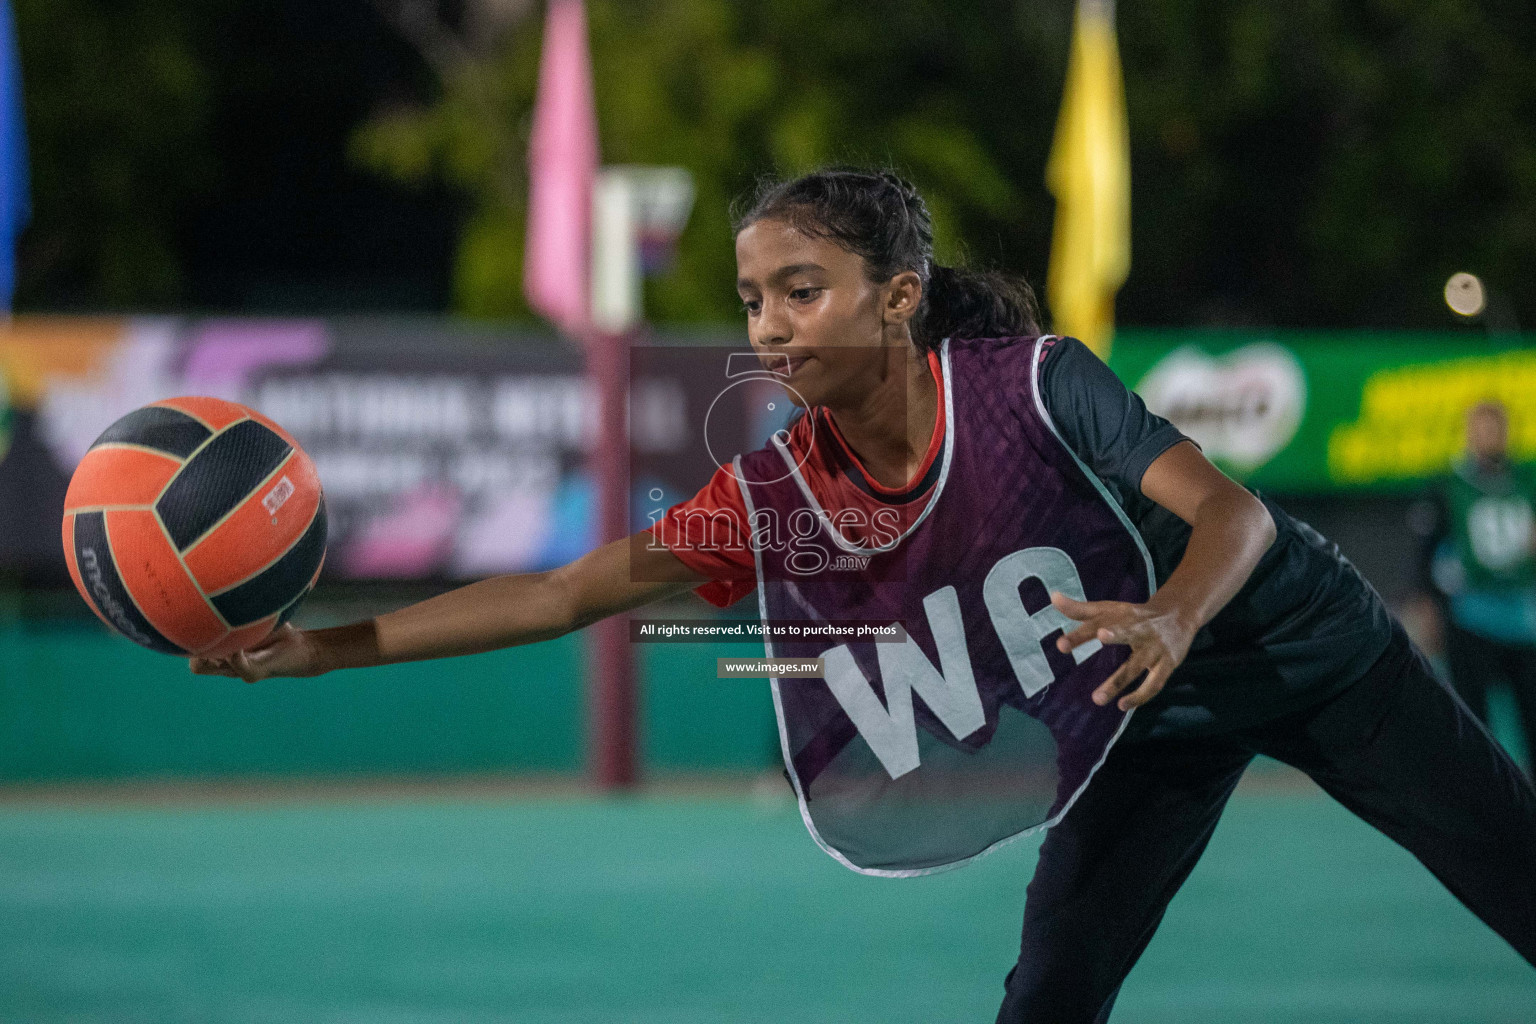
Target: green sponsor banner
{"points": [[1307, 412]]}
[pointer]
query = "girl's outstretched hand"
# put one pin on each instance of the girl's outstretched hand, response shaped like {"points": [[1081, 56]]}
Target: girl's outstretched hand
{"points": [[287, 652], [1159, 639]]}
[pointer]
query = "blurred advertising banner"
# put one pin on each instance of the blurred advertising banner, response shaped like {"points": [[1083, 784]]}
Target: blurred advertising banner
{"points": [[452, 451], [1298, 412], [446, 451]]}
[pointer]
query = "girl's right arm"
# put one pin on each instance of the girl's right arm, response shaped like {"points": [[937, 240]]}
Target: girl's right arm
{"points": [[502, 611]]}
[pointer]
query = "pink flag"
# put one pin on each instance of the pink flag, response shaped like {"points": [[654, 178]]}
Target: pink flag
{"points": [[562, 164]]}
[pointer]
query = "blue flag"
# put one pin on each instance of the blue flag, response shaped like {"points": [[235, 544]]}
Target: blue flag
{"points": [[15, 197]]}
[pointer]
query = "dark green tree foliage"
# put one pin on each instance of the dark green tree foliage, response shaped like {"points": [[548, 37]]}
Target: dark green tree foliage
{"points": [[1293, 164], [296, 224], [116, 107], [733, 91], [195, 154], [1306, 163], [1324, 163]]}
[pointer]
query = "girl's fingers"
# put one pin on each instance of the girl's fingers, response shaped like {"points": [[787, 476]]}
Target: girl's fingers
{"points": [[242, 664], [208, 667], [1091, 630], [1094, 620], [1119, 679], [1081, 635], [1150, 687], [1079, 610]]}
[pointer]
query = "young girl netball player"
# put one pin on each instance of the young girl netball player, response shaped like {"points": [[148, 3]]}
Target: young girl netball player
{"points": [[1059, 557]]}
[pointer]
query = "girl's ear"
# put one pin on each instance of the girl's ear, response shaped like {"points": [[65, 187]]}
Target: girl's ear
{"points": [[903, 294]]}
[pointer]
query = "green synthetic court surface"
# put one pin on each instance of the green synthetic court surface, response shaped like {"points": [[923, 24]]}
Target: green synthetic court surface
{"points": [[469, 908]]}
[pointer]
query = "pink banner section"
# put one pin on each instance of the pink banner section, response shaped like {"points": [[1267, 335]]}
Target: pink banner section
{"points": [[226, 354], [414, 538], [562, 165]]}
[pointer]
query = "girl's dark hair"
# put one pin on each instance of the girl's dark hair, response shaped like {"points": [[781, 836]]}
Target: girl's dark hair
{"points": [[881, 217]]}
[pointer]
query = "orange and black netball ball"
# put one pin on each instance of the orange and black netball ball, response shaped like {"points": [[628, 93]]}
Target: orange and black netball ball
{"points": [[194, 526]]}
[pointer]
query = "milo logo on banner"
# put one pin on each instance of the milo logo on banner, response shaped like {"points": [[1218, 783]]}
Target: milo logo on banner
{"points": [[1242, 408]]}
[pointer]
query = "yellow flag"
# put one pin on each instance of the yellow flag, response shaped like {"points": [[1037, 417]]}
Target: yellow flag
{"points": [[1089, 173]]}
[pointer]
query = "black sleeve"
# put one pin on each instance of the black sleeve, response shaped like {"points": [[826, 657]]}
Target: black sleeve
{"points": [[1103, 421]]}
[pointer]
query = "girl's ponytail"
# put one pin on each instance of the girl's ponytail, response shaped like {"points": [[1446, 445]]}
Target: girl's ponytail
{"points": [[961, 303]]}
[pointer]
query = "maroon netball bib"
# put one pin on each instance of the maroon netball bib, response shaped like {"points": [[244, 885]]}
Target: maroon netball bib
{"points": [[913, 756]]}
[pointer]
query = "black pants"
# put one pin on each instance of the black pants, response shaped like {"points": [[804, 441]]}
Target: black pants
{"points": [[1476, 661], [1398, 748]]}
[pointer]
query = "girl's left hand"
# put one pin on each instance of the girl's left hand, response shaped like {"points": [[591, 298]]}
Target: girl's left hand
{"points": [[1159, 639]]}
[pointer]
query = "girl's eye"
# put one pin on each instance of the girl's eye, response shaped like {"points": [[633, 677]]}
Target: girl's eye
{"points": [[750, 306], [804, 294]]}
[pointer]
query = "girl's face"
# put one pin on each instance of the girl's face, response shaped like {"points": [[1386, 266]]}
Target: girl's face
{"points": [[813, 311]]}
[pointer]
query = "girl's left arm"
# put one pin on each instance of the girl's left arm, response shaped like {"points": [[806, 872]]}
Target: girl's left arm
{"points": [[1230, 530]]}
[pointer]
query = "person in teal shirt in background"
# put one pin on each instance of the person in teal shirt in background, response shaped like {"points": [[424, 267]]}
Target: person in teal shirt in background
{"points": [[1484, 563]]}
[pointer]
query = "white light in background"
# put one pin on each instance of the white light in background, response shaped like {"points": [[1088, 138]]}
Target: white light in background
{"points": [[1465, 294]]}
